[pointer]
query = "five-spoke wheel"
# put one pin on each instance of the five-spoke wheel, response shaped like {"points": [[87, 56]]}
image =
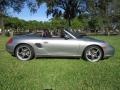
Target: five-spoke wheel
{"points": [[93, 53], [24, 52]]}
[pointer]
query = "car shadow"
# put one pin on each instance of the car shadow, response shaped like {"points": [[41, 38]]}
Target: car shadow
{"points": [[66, 58], [58, 58]]}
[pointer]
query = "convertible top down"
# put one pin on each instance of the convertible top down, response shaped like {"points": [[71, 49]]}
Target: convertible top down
{"points": [[65, 43]]}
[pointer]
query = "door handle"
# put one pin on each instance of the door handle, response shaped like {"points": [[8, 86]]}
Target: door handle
{"points": [[45, 42]]}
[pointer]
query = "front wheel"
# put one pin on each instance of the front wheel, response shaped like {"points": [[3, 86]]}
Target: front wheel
{"points": [[93, 53], [24, 52]]}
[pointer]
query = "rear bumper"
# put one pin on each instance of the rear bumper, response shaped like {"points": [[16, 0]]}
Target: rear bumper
{"points": [[10, 49]]}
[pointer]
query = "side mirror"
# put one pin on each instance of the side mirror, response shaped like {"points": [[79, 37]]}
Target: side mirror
{"points": [[67, 37]]}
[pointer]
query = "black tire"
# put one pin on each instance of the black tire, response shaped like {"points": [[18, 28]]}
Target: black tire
{"points": [[98, 55], [29, 53]]}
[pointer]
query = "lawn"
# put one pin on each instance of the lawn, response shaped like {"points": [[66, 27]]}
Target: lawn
{"points": [[60, 74]]}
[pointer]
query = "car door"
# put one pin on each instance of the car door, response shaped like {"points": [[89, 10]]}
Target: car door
{"points": [[61, 46]]}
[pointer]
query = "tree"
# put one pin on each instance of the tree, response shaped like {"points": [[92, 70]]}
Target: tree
{"points": [[101, 11], [78, 23], [15, 5], [57, 22], [68, 9], [14, 23], [116, 15]]}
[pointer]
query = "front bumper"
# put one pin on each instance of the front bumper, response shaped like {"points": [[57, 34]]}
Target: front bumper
{"points": [[109, 51]]}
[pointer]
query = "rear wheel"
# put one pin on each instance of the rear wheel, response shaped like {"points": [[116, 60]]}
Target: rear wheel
{"points": [[93, 53], [24, 52]]}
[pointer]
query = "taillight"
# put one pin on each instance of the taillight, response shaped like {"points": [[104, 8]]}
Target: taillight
{"points": [[10, 40]]}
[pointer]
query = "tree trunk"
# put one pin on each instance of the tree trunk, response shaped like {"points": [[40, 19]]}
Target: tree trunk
{"points": [[1, 20], [69, 22]]}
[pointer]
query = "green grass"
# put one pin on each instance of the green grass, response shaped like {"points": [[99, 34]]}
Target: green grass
{"points": [[60, 74]]}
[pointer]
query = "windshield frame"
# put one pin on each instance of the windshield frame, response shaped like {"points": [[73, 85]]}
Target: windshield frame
{"points": [[75, 35], [69, 33]]}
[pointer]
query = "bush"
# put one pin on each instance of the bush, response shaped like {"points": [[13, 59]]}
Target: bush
{"points": [[7, 34]]}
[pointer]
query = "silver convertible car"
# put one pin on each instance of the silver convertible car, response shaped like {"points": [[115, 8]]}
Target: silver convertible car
{"points": [[66, 43]]}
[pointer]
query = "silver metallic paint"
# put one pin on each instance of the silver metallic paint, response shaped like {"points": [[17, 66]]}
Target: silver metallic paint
{"points": [[59, 46]]}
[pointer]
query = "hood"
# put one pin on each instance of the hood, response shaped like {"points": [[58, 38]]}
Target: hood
{"points": [[90, 39]]}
